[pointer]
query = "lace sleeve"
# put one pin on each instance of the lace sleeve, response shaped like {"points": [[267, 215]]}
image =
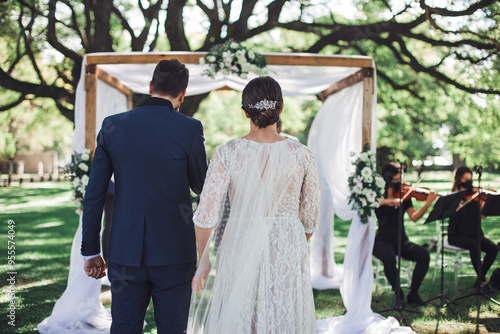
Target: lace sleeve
{"points": [[309, 196], [214, 189]]}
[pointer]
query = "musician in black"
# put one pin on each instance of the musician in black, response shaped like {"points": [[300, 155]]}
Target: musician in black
{"points": [[463, 229], [386, 240]]}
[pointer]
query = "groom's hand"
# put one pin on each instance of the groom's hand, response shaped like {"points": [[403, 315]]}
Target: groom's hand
{"points": [[95, 267]]}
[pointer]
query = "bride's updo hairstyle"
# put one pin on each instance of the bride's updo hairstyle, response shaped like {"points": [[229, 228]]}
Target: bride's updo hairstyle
{"points": [[262, 100]]}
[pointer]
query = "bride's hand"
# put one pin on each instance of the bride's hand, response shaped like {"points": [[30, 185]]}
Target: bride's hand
{"points": [[200, 276]]}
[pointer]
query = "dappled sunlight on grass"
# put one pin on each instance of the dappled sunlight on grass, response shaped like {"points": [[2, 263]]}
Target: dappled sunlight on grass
{"points": [[44, 235], [49, 224], [42, 241]]}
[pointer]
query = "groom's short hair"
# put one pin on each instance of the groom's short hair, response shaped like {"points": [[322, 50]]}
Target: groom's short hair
{"points": [[170, 78]]}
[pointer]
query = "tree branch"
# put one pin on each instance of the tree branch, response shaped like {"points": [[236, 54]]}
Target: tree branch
{"points": [[450, 13], [39, 90], [152, 45], [397, 86], [51, 34], [27, 43], [13, 104], [415, 64], [124, 22]]}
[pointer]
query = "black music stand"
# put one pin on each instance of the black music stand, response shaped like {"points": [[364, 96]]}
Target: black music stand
{"points": [[491, 210], [444, 208]]}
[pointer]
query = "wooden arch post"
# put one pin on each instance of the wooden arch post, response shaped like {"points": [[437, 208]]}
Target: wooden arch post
{"points": [[366, 130], [90, 107]]}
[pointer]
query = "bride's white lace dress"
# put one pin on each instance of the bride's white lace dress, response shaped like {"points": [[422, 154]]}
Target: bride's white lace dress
{"points": [[260, 280]]}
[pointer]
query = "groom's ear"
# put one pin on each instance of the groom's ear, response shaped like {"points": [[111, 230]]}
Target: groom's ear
{"points": [[182, 96], [150, 87]]}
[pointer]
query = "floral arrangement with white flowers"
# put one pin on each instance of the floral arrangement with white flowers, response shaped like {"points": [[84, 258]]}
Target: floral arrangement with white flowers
{"points": [[367, 186], [233, 58], [80, 170]]}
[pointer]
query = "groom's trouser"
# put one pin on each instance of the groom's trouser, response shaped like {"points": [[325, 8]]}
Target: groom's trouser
{"points": [[132, 289]]}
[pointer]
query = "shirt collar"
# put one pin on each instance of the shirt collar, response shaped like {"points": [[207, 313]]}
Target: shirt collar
{"points": [[157, 101]]}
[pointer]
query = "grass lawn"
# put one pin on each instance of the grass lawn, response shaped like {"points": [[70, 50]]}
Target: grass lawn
{"points": [[45, 224]]}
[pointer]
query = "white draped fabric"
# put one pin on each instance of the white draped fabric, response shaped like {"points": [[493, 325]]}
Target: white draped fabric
{"points": [[79, 310], [334, 134]]}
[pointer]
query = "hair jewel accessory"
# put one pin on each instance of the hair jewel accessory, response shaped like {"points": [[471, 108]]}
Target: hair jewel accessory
{"points": [[264, 105]]}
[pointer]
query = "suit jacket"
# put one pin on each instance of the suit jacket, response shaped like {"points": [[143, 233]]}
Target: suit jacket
{"points": [[156, 155]]}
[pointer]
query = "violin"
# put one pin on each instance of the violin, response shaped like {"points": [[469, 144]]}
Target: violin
{"points": [[408, 191], [475, 195]]}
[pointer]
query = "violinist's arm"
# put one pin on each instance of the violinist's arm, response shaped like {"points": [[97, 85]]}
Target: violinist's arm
{"points": [[416, 215], [390, 202], [482, 206]]}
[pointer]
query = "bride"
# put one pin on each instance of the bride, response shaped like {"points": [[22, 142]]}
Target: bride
{"points": [[257, 279]]}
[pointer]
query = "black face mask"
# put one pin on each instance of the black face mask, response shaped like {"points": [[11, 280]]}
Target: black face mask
{"points": [[467, 185], [396, 185]]}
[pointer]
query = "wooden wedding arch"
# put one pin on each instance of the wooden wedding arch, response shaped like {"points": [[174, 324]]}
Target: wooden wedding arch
{"points": [[93, 73]]}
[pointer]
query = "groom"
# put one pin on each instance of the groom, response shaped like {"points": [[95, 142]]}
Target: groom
{"points": [[156, 154]]}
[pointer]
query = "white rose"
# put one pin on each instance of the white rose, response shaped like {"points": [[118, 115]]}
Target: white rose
{"points": [[211, 59], [368, 179], [234, 45], [363, 201], [371, 195], [240, 53], [242, 60], [85, 180], [202, 61], [251, 55], [85, 156], [246, 67], [380, 182], [225, 71], [363, 156], [227, 56], [357, 188], [83, 167], [365, 172], [76, 182]]}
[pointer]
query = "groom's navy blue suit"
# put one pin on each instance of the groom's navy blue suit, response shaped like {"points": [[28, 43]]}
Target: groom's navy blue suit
{"points": [[156, 155]]}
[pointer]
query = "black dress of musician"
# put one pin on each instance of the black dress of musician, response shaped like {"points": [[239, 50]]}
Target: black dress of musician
{"points": [[386, 240], [463, 230]]}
